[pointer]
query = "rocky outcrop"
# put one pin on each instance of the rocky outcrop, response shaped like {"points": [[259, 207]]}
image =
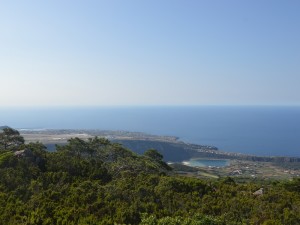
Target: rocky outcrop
{"points": [[23, 153]]}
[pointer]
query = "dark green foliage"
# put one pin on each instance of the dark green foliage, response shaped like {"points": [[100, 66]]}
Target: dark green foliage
{"points": [[10, 139], [293, 185], [4, 157], [156, 158], [98, 182], [196, 219]]}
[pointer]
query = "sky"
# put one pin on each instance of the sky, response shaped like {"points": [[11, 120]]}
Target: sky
{"points": [[150, 52]]}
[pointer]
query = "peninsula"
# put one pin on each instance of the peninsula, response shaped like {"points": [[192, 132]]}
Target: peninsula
{"points": [[178, 153]]}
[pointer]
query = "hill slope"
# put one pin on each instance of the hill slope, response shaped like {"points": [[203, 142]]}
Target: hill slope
{"points": [[99, 182]]}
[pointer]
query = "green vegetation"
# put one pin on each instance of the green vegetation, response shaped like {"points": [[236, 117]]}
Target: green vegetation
{"points": [[99, 182], [10, 139], [4, 155]]}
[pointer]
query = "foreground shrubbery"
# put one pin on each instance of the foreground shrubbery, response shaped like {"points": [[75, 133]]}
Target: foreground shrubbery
{"points": [[98, 182]]}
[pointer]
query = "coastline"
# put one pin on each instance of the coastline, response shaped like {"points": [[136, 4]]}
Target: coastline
{"points": [[179, 154], [60, 136], [256, 130]]}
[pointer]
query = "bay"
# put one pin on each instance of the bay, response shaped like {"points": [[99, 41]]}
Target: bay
{"points": [[259, 130]]}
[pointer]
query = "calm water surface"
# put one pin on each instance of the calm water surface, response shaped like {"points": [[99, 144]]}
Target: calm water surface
{"points": [[257, 130]]}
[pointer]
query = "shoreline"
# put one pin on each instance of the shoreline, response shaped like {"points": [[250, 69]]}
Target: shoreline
{"points": [[60, 136]]}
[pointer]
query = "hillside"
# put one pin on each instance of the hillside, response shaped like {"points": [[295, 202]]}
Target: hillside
{"points": [[96, 181], [3, 127]]}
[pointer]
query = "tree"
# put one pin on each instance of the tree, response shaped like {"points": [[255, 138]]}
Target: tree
{"points": [[154, 155], [157, 158], [10, 139]]}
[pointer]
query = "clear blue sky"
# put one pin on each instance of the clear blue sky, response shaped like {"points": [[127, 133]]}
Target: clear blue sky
{"points": [[163, 52]]}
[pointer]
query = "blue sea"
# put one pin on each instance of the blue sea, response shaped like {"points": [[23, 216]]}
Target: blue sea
{"points": [[259, 130]]}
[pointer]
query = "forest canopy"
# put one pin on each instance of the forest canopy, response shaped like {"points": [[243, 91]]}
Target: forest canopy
{"points": [[99, 182]]}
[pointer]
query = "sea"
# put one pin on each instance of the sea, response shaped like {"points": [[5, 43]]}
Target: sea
{"points": [[256, 130]]}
